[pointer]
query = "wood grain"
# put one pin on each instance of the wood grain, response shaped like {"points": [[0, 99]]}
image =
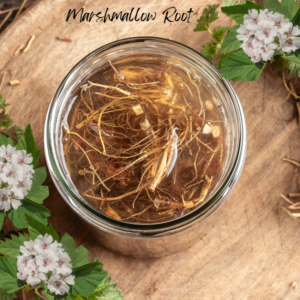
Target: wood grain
{"points": [[252, 249]]}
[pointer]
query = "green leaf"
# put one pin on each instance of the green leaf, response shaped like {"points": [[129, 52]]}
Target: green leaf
{"points": [[26, 142], [294, 68], [8, 274], [106, 290], [87, 278], [78, 256], [231, 43], [39, 176], [69, 245], [2, 216], [37, 228], [5, 140], [209, 51], [294, 57], [11, 247], [29, 208], [38, 194], [218, 33], [221, 56], [6, 296], [238, 11], [232, 2], [209, 15], [289, 8], [239, 67]]}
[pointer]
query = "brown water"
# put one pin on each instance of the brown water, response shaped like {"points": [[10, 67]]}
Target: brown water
{"points": [[147, 145]]}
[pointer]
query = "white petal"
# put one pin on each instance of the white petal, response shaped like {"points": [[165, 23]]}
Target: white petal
{"points": [[33, 280], [295, 31], [70, 280], [269, 39], [16, 203], [267, 55]]}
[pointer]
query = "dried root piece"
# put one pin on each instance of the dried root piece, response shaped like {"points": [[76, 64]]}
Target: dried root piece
{"points": [[64, 39], [112, 213], [14, 82], [138, 109], [167, 161], [29, 43], [167, 203]]}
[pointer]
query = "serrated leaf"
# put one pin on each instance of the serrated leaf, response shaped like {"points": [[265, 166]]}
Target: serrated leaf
{"points": [[27, 143], [294, 68], [289, 8], [218, 33], [6, 296], [11, 247], [31, 208], [294, 57], [208, 16], [37, 228], [78, 256], [231, 43], [209, 51], [8, 273], [237, 12], [239, 67], [5, 140], [106, 290], [2, 216], [87, 278]]}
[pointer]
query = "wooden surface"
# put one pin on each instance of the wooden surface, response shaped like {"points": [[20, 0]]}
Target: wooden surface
{"points": [[253, 248]]}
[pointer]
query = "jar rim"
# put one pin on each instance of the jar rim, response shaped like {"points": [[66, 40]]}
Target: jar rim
{"points": [[100, 220]]}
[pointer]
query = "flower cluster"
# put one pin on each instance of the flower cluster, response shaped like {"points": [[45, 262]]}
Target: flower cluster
{"points": [[265, 31], [43, 260], [15, 176]]}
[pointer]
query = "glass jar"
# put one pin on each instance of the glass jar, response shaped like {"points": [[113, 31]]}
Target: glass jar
{"points": [[134, 239]]}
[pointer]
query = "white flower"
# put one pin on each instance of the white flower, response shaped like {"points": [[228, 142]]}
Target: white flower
{"points": [[63, 264], [266, 31], [265, 15], [281, 23], [27, 249], [245, 33], [4, 200], [22, 275], [12, 173], [47, 261], [34, 275], [43, 242], [42, 258], [289, 42], [58, 284], [22, 187], [7, 198], [27, 171], [251, 20], [24, 262], [7, 152], [267, 50], [256, 57], [21, 157], [56, 247]]}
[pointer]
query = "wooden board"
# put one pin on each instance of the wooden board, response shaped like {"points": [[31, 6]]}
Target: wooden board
{"points": [[252, 249]]}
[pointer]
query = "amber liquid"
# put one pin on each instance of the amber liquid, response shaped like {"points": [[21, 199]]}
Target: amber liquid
{"points": [[152, 117]]}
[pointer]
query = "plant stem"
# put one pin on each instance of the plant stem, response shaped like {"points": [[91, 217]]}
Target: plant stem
{"points": [[23, 294], [41, 296]]}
